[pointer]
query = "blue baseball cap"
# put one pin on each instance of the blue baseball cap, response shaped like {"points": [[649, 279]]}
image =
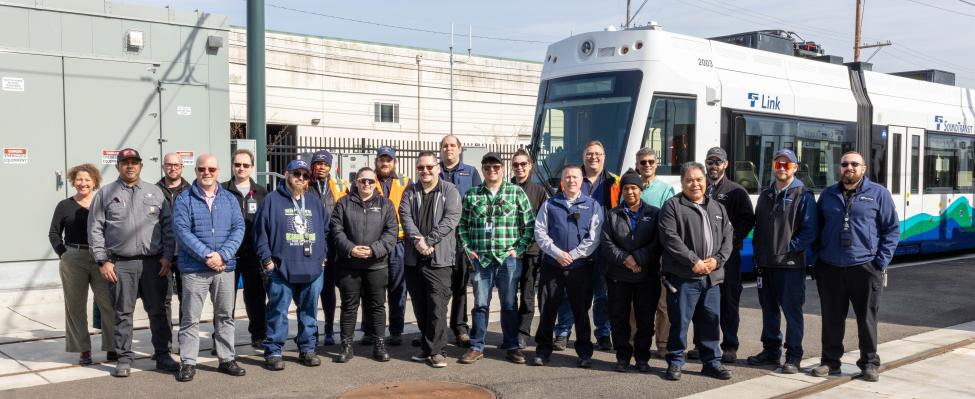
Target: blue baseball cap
{"points": [[298, 164], [785, 152], [321, 156], [387, 151]]}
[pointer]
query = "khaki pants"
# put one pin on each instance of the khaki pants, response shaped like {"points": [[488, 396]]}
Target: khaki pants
{"points": [[78, 272], [661, 326]]}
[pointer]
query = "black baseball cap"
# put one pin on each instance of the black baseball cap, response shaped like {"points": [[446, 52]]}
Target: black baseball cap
{"points": [[128, 153], [491, 157]]}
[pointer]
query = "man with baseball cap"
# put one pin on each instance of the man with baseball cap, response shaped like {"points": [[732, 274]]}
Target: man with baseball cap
{"points": [[131, 239], [290, 230], [330, 190]]}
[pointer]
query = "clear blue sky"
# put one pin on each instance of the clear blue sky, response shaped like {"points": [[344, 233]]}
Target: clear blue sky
{"points": [[926, 34]]}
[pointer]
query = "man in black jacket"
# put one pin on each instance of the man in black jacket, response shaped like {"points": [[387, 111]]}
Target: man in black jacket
{"points": [[330, 190], [521, 170], [696, 237], [735, 200], [632, 253], [172, 185], [249, 194]]}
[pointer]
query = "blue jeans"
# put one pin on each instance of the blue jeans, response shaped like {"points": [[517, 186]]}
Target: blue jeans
{"points": [[279, 296], [785, 290], [600, 309], [698, 301], [505, 276]]}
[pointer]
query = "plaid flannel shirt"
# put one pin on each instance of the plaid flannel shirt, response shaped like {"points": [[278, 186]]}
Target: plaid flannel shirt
{"points": [[510, 211]]}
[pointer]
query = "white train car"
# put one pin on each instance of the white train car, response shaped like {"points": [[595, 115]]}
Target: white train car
{"points": [[681, 95]]}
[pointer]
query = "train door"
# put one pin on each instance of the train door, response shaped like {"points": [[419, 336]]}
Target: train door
{"points": [[896, 176], [905, 169]]}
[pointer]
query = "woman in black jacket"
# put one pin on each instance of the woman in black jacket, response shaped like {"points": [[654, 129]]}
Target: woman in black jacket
{"points": [[630, 248], [364, 230]]}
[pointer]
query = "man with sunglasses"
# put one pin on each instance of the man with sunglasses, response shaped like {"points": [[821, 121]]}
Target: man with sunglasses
{"points": [[172, 185], [209, 229], [249, 196], [655, 193], [860, 231], [330, 190], [739, 206], [496, 227], [463, 177], [521, 171], [290, 230], [785, 227]]}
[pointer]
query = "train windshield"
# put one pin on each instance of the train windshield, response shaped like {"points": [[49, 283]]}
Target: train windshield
{"points": [[576, 110]]}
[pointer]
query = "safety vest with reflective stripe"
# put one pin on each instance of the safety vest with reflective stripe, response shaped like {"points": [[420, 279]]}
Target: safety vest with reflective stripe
{"points": [[396, 190]]}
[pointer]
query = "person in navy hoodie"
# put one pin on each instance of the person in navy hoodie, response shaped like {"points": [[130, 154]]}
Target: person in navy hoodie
{"points": [[290, 231], [209, 229], [859, 233]]}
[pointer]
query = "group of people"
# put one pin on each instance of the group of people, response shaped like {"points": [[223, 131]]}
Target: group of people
{"points": [[645, 260]]}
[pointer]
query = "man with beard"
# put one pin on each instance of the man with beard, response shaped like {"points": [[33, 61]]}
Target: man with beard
{"points": [[172, 185], [521, 172], [859, 234]]}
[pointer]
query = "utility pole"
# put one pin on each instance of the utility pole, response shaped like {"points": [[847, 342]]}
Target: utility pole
{"points": [[256, 122], [856, 35], [627, 24], [451, 78]]}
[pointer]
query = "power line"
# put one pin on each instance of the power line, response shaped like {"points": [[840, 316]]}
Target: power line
{"points": [[942, 8], [967, 2], [384, 25]]}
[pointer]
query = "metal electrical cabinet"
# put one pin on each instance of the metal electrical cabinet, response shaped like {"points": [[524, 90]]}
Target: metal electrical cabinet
{"points": [[82, 79]]}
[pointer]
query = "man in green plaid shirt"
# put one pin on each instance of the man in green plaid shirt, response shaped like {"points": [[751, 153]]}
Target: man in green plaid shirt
{"points": [[496, 227]]}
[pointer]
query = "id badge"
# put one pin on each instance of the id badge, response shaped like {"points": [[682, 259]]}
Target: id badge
{"points": [[846, 238], [306, 244], [758, 282], [251, 206], [488, 230]]}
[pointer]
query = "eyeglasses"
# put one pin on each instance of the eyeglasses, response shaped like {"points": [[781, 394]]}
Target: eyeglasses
{"points": [[782, 165], [242, 165], [594, 155], [366, 182], [301, 175], [204, 170], [172, 165], [519, 165], [428, 168], [850, 164], [713, 162], [494, 167], [648, 162]]}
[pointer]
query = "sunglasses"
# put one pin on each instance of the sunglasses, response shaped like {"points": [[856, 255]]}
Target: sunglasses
{"points": [[519, 164], [428, 168], [242, 165], [301, 175], [648, 162], [172, 165], [494, 167], [713, 162], [782, 165], [202, 170], [850, 164], [366, 181]]}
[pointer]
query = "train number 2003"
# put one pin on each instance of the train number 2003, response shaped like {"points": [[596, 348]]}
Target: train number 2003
{"points": [[705, 62]]}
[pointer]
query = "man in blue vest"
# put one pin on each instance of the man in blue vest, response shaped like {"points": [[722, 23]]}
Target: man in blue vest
{"points": [[859, 234], [567, 230]]}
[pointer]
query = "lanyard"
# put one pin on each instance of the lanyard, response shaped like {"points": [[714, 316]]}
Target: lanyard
{"points": [[300, 223], [847, 204]]}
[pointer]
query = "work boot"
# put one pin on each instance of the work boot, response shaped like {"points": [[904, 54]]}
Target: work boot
{"points": [[274, 363], [165, 362], [186, 372], [729, 356], [395, 340], [584, 363], [122, 370], [560, 343], [605, 343], [790, 367], [231, 368], [309, 359], [464, 340], [764, 358], [85, 358], [693, 354], [823, 370], [379, 350], [471, 356], [328, 339], [643, 367], [719, 372], [516, 356], [621, 366], [870, 373], [346, 354], [673, 373]]}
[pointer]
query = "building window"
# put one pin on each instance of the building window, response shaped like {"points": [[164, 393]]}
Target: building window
{"points": [[386, 112]]}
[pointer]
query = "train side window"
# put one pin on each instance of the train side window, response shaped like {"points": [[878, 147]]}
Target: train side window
{"points": [[670, 131], [948, 163], [896, 171], [915, 163]]}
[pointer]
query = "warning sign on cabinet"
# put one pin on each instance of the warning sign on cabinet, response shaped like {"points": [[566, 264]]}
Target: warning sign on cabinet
{"points": [[109, 157], [15, 156], [12, 84], [186, 157], [184, 110]]}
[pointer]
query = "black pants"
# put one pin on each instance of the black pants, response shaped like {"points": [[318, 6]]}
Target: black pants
{"points": [[430, 290], [730, 301], [838, 287], [527, 288], [140, 279], [255, 296], [328, 299], [459, 278], [642, 298], [553, 285], [367, 287], [174, 287]]}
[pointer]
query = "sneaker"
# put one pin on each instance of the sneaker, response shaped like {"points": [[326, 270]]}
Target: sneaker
{"points": [[420, 357], [186, 372], [870, 373], [366, 340], [122, 370], [111, 356], [394, 340], [823, 370], [643, 367], [561, 342], [729, 356], [584, 363], [719, 372], [539, 361], [764, 358], [438, 361], [693, 354], [790, 367], [516, 356], [231, 368], [621, 367], [605, 344], [673, 373], [85, 358], [471, 356], [309, 359], [274, 363], [165, 362], [463, 340]]}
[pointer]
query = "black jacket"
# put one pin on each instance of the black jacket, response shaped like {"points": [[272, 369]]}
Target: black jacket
{"points": [[172, 193], [258, 193], [739, 206], [371, 223], [619, 240], [537, 196], [682, 237]]}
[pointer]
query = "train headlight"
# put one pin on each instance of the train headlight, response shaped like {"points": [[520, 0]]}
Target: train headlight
{"points": [[586, 48]]}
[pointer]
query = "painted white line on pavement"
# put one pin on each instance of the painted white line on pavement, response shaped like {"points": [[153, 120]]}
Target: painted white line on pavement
{"points": [[897, 266]]}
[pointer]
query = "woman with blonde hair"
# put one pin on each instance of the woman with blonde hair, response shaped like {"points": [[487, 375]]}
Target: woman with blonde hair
{"points": [[69, 238]]}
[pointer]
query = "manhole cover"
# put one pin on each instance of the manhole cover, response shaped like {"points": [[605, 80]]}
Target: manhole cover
{"points": [[419, 389]]}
